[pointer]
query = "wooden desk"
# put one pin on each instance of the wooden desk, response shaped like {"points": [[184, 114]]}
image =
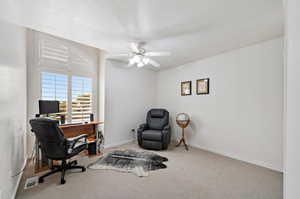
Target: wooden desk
{"points": [[74, 130], [71, 130]]}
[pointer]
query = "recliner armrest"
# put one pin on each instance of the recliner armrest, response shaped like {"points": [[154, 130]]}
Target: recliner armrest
{"points": [[143, 127], [166, 128], [140, 130], [166, 132]]}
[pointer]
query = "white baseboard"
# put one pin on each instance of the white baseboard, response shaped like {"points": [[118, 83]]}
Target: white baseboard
{"points": [[18, 180], [118, 143], [255, 162]]}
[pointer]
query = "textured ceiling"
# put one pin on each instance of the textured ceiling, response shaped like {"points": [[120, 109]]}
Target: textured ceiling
{"points": [[189, 29]]}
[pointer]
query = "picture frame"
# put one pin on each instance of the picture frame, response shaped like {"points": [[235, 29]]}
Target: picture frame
{"points": [[186, 88], [202, 86]]}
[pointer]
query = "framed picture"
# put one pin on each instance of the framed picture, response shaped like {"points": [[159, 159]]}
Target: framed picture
{"points": [[186, 88], [202, 86]]}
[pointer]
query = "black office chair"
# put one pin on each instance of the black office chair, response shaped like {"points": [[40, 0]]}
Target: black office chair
{"points": [[155, 133], [56, 147]]}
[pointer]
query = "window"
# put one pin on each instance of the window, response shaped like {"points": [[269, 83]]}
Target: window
{"points": [[55, 87], [81, 98]]}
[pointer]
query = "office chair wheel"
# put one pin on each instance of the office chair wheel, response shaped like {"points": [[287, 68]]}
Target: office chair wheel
{"points": [[62, 181], [41, 180], [83, 169]]}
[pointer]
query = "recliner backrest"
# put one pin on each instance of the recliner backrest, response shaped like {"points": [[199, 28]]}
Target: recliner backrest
{"points": [[51, 138], [157, 119]]}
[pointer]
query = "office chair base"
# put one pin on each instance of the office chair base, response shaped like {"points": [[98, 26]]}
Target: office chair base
{"points": [[62, 168]]}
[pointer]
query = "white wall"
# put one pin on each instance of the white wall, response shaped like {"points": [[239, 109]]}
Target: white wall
{"points": [[12, 106], [242, 117], [129, 94], [292, 144]]}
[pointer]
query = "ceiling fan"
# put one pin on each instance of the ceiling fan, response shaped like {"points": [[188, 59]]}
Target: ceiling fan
{"points": [[140, 57]]}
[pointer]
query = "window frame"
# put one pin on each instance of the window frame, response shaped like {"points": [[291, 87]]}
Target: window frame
{"points": [[70, 75]]}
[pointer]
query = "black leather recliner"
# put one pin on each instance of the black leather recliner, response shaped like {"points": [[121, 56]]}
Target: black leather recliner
{"points": [[56, 147], [155, 133]]}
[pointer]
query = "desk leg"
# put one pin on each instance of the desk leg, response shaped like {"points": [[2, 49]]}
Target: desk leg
{"points": [[97, 138]]}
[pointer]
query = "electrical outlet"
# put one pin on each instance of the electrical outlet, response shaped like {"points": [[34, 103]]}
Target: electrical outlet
{"points": [[132, 130]]}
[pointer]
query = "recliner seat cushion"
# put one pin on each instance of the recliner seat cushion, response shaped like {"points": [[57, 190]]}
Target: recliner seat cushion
{"points": [[152, 135], [152, 145]]}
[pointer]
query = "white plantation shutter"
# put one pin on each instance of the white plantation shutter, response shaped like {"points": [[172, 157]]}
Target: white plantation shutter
{"points": [[79, 58], [53, 53], [65, 55], [78, 63]]}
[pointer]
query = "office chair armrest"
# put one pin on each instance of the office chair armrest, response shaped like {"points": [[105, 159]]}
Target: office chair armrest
{"points": [[78, 137], [72, 142]]}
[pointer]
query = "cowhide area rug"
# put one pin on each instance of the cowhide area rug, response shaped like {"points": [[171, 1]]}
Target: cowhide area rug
{"points": [[139, 163]]}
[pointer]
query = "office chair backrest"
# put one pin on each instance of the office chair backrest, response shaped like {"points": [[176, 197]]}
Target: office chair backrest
{"points": [[157, 119], [52, 140]]}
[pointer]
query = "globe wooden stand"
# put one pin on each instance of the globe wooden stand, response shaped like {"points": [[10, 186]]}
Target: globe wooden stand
{"points": [[182, 124], [182, 140]]}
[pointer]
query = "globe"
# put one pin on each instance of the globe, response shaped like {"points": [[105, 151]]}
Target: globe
{"points": [[182, 119]]}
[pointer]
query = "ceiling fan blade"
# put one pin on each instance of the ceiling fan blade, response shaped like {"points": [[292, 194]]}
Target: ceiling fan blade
{"points": [[157, 54], [154, 63], [119, 55], [134, 47]]}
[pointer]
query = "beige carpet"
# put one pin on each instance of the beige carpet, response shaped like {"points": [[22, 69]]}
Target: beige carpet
{"points": [[190, 175]]}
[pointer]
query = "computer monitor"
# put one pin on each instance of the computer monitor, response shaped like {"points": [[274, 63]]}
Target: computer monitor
{"points": [[48, 106]]}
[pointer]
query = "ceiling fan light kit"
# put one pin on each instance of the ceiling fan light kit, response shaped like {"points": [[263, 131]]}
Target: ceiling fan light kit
{"points": [[139, 60], [140, 57]]}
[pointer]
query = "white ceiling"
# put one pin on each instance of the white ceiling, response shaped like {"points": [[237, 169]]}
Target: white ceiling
{"points": [[189, 29]]}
